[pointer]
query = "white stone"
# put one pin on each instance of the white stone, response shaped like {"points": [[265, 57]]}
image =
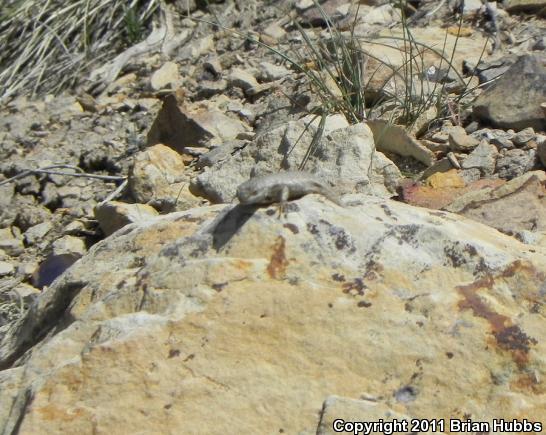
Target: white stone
{"points": [[333, 122], [274, 30], [37, 232], [69, 245], [166, 75], [273, 72], [9, 243], [6, 268], [114, 215], [242, 79]]}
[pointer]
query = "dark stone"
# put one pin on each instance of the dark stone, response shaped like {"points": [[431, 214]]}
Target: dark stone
{"points": [[513, 101]]}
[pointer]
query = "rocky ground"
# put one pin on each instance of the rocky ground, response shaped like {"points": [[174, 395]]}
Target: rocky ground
{"points": [[435, 269]]}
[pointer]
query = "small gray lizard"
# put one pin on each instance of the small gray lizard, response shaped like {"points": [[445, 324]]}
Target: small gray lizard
{"points": [[282, 187]]}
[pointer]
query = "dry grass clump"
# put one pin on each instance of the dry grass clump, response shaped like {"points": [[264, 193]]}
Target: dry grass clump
{"points": [[47, 44], [344, 60]]}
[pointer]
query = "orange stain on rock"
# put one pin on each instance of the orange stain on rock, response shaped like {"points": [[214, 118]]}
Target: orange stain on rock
{"points": [[278, 262]]}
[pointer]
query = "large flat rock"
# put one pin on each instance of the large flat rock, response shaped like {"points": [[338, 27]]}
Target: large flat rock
{"points": [[229, 319]]}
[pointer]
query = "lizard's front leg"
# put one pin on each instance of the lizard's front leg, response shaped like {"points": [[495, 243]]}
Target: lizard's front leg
{"points": [[284, 194]]}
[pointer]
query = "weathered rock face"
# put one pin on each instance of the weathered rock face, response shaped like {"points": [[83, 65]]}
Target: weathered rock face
{"points": [[159, 177], [178, 127], [512, 208], [513, 101], [524, 5], [228, 317], [345, 157]]}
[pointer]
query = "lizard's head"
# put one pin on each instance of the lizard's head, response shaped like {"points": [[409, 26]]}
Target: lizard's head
{"points": [[249, 193]]}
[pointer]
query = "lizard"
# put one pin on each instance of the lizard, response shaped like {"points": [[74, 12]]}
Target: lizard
{"points": [[282, 187]]}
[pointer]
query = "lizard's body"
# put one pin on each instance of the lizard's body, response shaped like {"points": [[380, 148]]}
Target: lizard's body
{"points": [[282, 187]]}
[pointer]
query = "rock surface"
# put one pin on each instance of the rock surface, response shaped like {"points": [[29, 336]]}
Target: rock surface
{"points": [[525, 5], [159, 177], [227, 318], [541, 151], [519, 205], [460, 141], [484, 158], [514, 100], [513, 163], [261, 319], [6, 268], [395, 139], [443, 188], [345, 157], [166, 75], [179, 126], [113, 215]]}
